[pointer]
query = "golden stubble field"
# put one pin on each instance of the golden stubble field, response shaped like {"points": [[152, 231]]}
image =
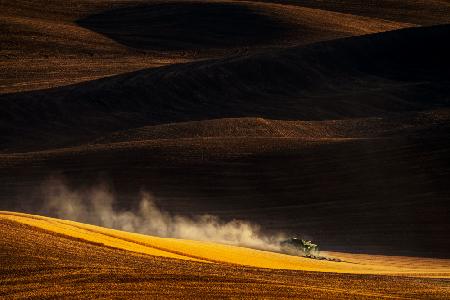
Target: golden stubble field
{"points": [[327, 119], [45, 257]]}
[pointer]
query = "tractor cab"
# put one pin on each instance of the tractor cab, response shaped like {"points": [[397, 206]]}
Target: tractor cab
{"points": [[299, 247]]}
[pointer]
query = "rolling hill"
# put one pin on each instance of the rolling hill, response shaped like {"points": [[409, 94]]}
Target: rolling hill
{"points": [[325, 119], [73, 41], [385, 177], [364, 76], [385, 171], [91, 261], [421, 12]]}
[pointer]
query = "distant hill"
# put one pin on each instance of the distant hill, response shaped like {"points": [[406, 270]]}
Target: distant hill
{"points": [[373, 75], [72, 41], [326, 119], [421, 12]]}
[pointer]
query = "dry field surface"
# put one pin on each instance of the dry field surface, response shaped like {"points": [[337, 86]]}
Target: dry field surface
{"points": [[326, 119], [44, 257], [73, 41]]}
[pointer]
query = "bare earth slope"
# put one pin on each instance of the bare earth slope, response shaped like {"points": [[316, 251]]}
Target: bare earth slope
{"points": [[97, 262], [72, 41], [408, 124], [386, 178], [399, 71], [326, 119], [423, 12]]}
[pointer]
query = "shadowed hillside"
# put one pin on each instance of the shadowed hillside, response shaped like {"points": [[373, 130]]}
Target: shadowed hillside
{"points": [[71, 41], [188, 26], [325, 119], [367, 76], [433, 123], [371, 185], [423, 12]]}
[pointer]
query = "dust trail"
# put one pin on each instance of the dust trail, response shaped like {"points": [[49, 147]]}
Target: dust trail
{"points": [[96, 206]]}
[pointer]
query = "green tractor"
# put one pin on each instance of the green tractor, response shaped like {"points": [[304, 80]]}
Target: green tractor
{"points": [[299, 247]]}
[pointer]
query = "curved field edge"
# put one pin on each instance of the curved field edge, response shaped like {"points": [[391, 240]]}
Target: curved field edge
{"points": [[226, 254]]}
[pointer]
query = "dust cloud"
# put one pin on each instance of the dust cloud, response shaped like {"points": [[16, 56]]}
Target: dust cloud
{"points": [[96, 206]]}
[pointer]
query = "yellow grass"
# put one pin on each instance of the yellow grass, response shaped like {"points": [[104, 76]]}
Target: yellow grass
{"points": [[219, 253]]}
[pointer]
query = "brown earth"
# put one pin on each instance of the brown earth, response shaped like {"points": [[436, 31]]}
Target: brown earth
{"points": [[65, 42], [39, 264], [364, 76], [420, 12], [369, 185], [297, 123]]}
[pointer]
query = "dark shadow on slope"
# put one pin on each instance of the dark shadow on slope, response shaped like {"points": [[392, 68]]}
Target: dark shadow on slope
{"points": [[373, 75], [187, 26], [430, 12], [378, 195]]}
